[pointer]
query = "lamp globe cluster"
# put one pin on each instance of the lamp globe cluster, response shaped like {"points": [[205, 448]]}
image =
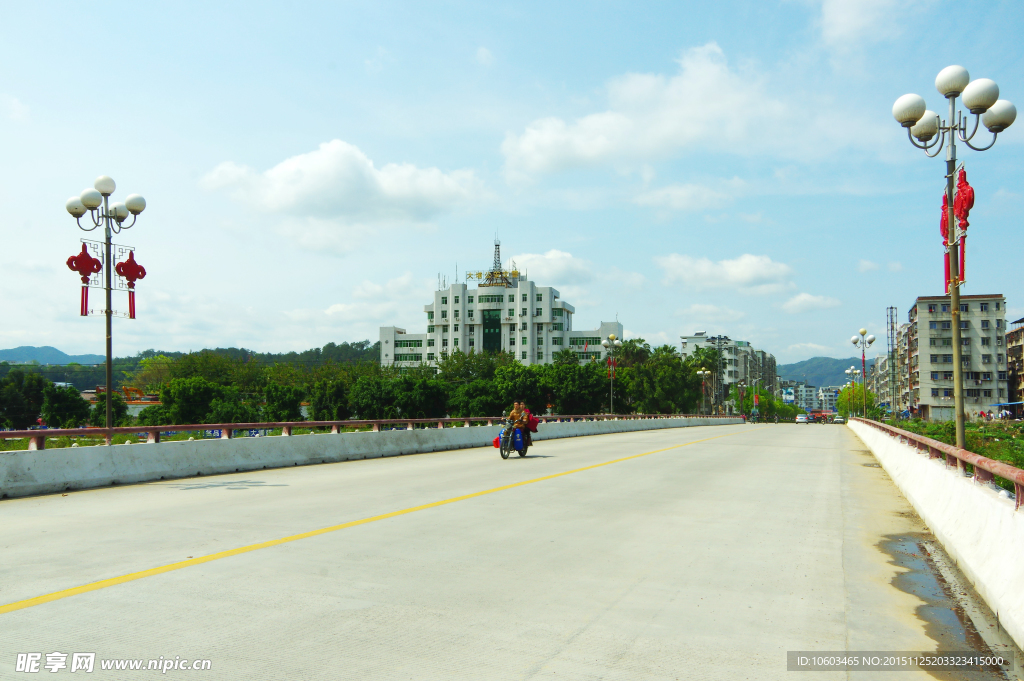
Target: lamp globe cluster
{"points": [[980, 96], [92, 199]]}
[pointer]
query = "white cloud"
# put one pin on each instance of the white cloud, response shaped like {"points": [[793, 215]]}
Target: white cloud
{"points": [[846, 22], [706, 104], [484, 57], [757, 274], [14, 109], [555, 266], [804, 302], [339, 182], [896, 266], [867, 266], [805, 347], [690, 197]]}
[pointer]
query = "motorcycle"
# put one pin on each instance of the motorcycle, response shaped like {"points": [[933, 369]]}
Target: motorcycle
{"points": [[512, 439]]}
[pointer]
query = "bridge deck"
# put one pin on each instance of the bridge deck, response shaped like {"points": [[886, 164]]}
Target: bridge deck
{"points": [[707, 559]]}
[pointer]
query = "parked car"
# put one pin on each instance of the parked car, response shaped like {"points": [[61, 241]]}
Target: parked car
{"points": [[838, 419], [802, 418]]}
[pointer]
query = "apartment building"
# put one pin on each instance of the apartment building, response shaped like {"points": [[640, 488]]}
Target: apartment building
{"points": [[1015, 367], [741, 361], [929, 338], [827, 396]]}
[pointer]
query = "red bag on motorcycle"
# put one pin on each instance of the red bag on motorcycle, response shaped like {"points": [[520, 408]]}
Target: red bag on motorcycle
{"points": [[497, 442], [532, 422]]}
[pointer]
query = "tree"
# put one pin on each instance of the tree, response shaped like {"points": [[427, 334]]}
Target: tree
{"points": [[633, 352], [576, 389], [565, 358], [64, 407], [328, 401], [284, 402], [519, 382], [420, 397], [372, 397], [156, 415], [851, 399], [118, 411], [21, 398], [477, 398], [152, 374], [232, 408], [188, 400], [206, 364]]}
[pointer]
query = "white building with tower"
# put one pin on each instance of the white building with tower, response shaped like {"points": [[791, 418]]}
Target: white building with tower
{"points": [[498, 309]]}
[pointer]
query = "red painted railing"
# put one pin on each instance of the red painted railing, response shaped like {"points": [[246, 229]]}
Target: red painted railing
{"points": [[984, 468], [37, 438]]}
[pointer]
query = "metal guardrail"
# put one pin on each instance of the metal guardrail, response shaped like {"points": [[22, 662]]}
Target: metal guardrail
{"points": [[984, 468], [37, 438]]}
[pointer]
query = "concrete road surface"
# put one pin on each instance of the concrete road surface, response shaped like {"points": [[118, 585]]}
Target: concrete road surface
{"points": [[692, 553]]}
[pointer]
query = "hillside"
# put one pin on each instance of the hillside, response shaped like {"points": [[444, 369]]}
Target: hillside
{"points": [[46, 355], [820, 371]]}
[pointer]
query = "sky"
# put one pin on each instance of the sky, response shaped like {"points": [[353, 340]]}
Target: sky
{"points": [[311, 169]]}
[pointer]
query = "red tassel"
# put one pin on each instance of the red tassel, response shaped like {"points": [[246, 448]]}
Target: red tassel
{"points": [[85, 301], [131, 304], [945, 261], [963, 250]]}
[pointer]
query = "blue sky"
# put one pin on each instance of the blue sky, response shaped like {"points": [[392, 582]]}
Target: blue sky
{"points": [[310, 168]]}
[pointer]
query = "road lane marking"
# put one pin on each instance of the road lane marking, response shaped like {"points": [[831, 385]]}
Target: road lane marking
{"points": [[114, 581]]}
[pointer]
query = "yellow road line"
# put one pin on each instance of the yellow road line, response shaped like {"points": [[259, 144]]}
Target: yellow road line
{"points": [[114, 581]]}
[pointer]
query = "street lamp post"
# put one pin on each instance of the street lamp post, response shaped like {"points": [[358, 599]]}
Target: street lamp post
{"points": [[863, 342], [611, 344], [96, 202], [981, 97], [853, 372], [703, 373]]}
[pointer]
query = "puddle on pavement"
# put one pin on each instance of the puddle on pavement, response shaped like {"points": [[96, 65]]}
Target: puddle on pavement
{"points": [[946, 621], [871, 465]]}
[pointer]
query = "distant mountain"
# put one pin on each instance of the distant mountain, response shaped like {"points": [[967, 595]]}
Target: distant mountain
{"points": [[820, 371], [47, 355]]}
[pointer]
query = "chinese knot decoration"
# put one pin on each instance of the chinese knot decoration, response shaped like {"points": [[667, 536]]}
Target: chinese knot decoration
{"points": [[86, 266], [131, 271], [963, 202]]}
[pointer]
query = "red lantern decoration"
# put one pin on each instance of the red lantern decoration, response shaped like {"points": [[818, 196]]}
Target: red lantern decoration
{"points": [[944, 230], [131, 271], [962, 205], [86, 266]]}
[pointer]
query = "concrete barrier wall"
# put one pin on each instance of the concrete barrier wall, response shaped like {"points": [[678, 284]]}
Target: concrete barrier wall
{"points": [[977, 525], [45, 471]]}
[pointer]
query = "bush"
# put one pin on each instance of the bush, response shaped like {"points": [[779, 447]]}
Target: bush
{"points": [[188, 400], [231, 408], [118, 411], [328, 401], [372, 397]]}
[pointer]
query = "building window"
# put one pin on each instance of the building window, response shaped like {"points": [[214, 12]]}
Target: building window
{"points": [[540, 297], [472, 341], [540, 341], [986, 359], [986, 341], [1002, 391], [986, 376], [408, 344], [588, 355], [997, 306], [522, 326], [999, 358], [456, 300], [999, 323], [948, 359], [557, 312], [947, 393], [469, 313], [526, 341], [512, 340], [524, 313], [945, 307], [933, 325], [965, 325], [525, 298], [935, 375], [455, 328], [584, 340], [430, 342], [524, 354], [1002, 375], [469, 299], [556, 341], [511, 313], [947, 326], [430, 315], [455, 342], [444, 342], [947, 375], [444, 300], [935, 392], [491, 299], [430, 329], [444, 314], [430, 356], [511, 298], [934, 359], [964, 341], [963, 307], [539, 311], [540, 328], [983, 307], [456, 314], [931, 307], [511, 329], [557, 326], [444, 329], [409, 358]]}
